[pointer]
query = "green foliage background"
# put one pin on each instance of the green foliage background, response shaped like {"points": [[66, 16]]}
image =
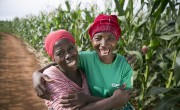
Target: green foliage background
{"points": [[156, 24]]}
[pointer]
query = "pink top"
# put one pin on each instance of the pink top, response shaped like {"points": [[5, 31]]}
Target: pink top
{"points": [[60, 85]]}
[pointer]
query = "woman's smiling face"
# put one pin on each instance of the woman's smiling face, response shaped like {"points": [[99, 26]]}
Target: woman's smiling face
{"points": [[104, 43], [66, 55]]}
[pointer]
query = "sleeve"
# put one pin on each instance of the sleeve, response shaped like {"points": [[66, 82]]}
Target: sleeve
{"points": [[56, 89], [127, 77], [82, 60]]}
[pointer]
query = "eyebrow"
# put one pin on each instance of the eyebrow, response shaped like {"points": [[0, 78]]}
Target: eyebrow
{"points": [[98, 35], [58, 50]]}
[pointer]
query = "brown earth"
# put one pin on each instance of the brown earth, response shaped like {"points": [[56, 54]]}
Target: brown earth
{"points": [[16, 67]]}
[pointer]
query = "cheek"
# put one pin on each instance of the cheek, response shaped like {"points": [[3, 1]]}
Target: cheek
{"points": [[75, 53], [94, 44], [114, 44], [58, 60]]}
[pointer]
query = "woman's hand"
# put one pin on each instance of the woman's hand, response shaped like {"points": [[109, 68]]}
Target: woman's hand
{"points": [[74, 100], [39, 80], [121, 97], [131, 59]]}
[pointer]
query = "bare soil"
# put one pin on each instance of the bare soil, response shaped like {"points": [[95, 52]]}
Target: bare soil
{"points": [[16, 67]]}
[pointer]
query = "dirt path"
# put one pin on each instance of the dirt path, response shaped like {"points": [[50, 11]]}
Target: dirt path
{"points": [[16, 68]]}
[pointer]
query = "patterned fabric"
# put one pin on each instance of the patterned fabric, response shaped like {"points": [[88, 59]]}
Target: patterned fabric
{"points": [[105, 23], [60, 85], [55, 36]]}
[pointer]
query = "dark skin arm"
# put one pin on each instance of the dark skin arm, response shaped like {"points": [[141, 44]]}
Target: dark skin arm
{"points": [[76, 100], [38, 82], [39, 78], [82, 101], [131, 59], [118, 100]]}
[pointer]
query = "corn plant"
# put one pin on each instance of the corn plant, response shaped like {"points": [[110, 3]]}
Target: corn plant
{"points": [[152, 33], [157, 31]]}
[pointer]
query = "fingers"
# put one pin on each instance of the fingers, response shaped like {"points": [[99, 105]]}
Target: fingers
{"points": [[46, 96], [131, 93], [77, 107], [38, 91], [70, 101], [66, 101], [127, 56], [131, 59], [39, 80], [42, 92], [123, 86], [46, 78], [42, 87], [134, 93], [68, 96], [69, 105]]}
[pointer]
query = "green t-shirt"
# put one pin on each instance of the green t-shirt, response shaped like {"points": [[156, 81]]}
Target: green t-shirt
{"points": [[104, 79]]}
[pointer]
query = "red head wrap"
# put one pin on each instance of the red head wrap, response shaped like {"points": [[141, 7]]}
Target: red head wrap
{"points": [[55, 36], [105, 23]]}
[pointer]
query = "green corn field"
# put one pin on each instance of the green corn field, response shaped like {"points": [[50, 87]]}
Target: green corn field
{"points": [[155, 26]]}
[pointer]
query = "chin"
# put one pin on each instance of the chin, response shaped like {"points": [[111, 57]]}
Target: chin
{"points": [[103, 55], [74, 68]]}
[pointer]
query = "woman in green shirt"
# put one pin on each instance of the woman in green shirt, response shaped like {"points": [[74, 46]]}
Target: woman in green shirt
{"points": [[105, 70]]}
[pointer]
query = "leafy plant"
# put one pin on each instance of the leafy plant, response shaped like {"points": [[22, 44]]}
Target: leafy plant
{"points": [[151, 32], [156, 29]]}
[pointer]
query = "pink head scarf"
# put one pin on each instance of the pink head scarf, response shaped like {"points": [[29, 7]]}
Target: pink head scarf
{"points": [[55, 36]]}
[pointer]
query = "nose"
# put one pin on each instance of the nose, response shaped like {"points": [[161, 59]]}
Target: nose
{"points": [[103, 42], [68, 55]]}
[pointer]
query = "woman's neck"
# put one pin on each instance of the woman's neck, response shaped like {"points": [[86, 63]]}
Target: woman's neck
{"points": [[108, 60], [76, 77], [69, 72], [73, 75]]}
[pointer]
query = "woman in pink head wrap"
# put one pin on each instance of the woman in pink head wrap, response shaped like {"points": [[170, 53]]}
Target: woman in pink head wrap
{"points": [[105, 70], [60, 46]]}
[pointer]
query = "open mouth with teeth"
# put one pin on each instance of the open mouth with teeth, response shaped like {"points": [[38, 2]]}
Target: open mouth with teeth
{"points": [[72, 63], [104, 52]]}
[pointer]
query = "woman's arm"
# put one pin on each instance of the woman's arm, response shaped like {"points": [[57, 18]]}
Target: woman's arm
{"points": [[39, 79], [77, 100], [117, 100], [86, 102], [38, 82]]}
